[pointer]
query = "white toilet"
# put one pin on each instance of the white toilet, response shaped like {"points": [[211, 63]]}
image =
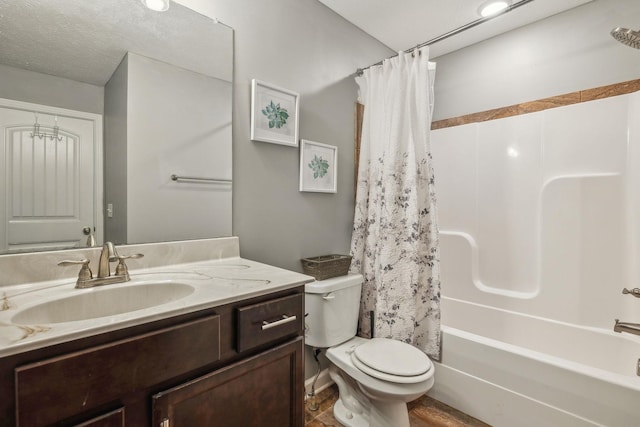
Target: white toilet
{"points": [[375, 377]]}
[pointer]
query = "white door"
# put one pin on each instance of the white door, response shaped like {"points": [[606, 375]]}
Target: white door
{"points": [[48, 180]]}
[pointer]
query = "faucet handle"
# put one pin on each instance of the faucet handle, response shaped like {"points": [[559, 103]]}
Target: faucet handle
{"points": [[85, 272], [635, 292], [121, 269]]}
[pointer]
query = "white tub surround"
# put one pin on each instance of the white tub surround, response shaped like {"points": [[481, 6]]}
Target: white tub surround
{"points": [[540, 213], [539, 218], [211, 269]]}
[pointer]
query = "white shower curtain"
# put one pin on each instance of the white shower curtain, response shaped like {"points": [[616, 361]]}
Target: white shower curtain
{"points": [[395, 236]]}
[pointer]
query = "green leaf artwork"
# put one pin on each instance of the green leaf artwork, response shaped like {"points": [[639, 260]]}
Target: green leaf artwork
{"points": [[319, 166], [277, 115]]}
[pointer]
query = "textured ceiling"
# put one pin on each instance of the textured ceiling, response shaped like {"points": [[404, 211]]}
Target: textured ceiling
{"points": [[403, 24], [85, 40]]}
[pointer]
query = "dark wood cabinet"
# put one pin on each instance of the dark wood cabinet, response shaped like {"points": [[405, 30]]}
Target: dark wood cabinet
{"points": [[237, 364], [259, 391], [102, 374]]}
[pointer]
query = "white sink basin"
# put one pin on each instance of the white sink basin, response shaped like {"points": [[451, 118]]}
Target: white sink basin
{"points": [[104, 301]]}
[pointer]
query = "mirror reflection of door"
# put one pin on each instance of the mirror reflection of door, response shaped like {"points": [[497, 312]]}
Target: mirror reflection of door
{"points": [[49, 177]]}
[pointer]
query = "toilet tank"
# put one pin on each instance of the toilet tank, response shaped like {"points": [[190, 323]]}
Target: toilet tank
{"points": [[331, 308]]}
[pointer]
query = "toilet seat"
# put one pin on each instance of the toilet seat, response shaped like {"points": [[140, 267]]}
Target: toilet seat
{"points": [[392, 360]]}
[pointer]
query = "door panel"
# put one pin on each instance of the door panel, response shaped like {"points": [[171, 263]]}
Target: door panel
{"points": [[48, 182]]}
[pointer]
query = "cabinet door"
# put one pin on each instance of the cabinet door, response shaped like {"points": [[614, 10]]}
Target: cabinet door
{"points": [[69, 385], [264, 390]]}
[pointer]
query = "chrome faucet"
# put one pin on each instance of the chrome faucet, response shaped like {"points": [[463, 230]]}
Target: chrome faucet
{"points": [[631, 328], [104, 277], [107, 255]]}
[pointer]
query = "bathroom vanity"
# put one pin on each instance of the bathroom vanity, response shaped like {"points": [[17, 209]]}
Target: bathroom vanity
{"points": [[230, 353]]}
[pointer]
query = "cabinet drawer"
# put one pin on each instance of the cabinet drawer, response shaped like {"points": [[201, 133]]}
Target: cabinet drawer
{"points": [[65, 386], [269, 321]]}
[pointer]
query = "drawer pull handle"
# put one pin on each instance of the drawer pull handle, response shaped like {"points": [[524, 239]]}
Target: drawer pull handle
{"points": [[285, 319]]}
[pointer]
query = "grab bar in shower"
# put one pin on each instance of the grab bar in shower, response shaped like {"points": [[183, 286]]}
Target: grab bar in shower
{"points": [[177, 178], [635, 292], [630, 328]]}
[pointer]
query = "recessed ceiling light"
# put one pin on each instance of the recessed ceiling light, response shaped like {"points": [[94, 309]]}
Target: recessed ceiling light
{"points": [[157, 5], [492, 7]]}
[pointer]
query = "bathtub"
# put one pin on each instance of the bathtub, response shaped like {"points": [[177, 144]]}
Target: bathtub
{"points": [[539, 218], [515, 370]]}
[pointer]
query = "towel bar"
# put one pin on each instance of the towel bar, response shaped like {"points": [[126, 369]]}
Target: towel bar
{"points": [[175, 177]]}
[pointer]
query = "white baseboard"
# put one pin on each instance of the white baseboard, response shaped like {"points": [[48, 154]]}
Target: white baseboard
{"points": [[324, 381]]}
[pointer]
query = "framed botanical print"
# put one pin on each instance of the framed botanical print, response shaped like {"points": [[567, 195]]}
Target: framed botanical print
{"points": [[318, 167], [274, 114]]}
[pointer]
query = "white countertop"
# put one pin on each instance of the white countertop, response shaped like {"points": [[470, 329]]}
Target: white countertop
{"points": [[214, 283]]}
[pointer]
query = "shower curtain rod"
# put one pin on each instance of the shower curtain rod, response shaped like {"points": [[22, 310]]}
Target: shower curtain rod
{"points": [[452, 32]]}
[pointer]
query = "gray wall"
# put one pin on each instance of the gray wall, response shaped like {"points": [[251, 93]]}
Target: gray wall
{"points": [[302, 46], [115, 153], [28, 86], [563, 53]]}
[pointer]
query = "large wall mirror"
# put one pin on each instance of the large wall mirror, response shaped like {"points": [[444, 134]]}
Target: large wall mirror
{"points": [[115, 124]]}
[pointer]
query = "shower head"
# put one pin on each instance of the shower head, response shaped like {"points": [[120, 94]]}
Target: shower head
{"points": [[626, 36]]}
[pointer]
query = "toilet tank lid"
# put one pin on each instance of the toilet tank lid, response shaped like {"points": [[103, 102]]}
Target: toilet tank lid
{"points": [[333, 284]]}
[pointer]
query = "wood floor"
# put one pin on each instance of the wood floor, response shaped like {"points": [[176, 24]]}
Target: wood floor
{"points": [[423, 412]]}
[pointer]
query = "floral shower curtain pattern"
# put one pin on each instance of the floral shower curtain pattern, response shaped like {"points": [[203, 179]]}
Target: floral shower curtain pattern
{"points": [[395, 235]]}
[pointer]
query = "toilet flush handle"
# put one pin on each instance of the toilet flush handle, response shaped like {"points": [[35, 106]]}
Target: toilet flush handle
{"points": [[329, 296]]}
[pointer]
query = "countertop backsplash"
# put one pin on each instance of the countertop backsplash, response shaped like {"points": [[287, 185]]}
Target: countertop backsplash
{"points": [[27, 268]]}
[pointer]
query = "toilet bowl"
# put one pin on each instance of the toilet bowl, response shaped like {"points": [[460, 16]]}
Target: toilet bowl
{"points": [[375, 377], [373, 396]]}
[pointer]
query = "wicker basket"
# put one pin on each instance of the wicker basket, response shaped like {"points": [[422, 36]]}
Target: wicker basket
{"points": [[326, 266]]}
